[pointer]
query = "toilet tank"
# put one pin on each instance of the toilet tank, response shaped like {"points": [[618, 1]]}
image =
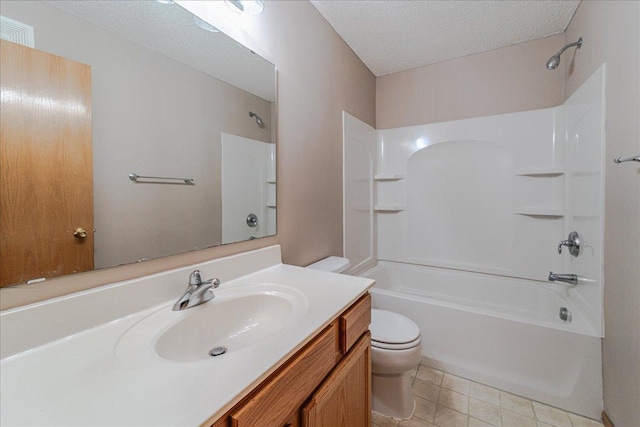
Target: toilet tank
{"points": [[333, 264]]}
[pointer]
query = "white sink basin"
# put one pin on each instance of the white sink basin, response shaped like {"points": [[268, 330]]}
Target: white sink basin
{"points": [[238, 318]]}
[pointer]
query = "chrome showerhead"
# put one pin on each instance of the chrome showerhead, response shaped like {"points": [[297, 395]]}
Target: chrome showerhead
{"points": [[554, 61], [258, 119]]}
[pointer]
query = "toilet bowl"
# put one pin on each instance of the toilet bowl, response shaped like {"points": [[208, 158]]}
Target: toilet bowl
{"points": [[395, 350]]}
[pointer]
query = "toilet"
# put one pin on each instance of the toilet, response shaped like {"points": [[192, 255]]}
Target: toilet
{"points": [[395, 350]]}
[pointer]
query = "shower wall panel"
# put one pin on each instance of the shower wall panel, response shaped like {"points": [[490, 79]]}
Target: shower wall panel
{"points": [[483, 194], [359, 151]]}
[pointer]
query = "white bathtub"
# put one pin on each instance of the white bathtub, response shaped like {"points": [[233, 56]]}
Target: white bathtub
{"points": [[500, 331]]}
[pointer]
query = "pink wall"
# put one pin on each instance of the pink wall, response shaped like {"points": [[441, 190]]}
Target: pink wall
{"points": [[505, 80], [611, 34]]}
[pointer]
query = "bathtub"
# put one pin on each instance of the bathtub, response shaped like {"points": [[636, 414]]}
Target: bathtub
{"points": [[501, 331]]}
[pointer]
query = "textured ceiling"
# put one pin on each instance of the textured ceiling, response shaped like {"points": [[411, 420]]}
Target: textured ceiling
{"points": [[170, 30], [392, 36]]}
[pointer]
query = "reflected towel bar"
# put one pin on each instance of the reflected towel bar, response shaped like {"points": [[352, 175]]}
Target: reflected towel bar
{"points": [[635, 158], [134, 177]]}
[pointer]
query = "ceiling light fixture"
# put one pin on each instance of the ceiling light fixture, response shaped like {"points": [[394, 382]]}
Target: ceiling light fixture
{"points": [[205, 25], [246, 7], [165, 1]]}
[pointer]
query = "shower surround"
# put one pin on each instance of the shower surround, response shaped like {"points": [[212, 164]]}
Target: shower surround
{"points": [[459, 223]]}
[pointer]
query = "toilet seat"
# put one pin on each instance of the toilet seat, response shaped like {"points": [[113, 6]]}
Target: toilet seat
{"points": [[391, 346], [393, 331]]}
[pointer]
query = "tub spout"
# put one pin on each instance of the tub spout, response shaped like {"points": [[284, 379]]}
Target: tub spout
{"points": [[571, 279]]}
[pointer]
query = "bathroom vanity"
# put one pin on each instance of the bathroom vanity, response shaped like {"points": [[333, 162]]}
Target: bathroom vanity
{"points": [[296, 340], [327, 383]]}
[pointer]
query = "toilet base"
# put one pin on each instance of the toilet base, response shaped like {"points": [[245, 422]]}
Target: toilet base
{"points": [[392, 395]]}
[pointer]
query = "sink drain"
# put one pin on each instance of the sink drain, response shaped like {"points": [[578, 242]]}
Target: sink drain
{"points": [[218, 351]]}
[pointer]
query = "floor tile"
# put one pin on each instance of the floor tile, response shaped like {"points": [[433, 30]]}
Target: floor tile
{"points": [[516, 404], [578, 421], [551, 416], [454, 383], [484, 411], [485, 393], [474, 422], [454, 400], [446, 400], [446, 417], [424, 409], [513, 419], [415, 422], [382, 421], [430, 375], [426, 390]]}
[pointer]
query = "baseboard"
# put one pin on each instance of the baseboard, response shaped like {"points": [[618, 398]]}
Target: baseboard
{"points": [[606, 420]]}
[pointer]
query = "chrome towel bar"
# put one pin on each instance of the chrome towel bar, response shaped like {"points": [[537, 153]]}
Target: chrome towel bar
{"points": [[134, 177], [635, 158]]}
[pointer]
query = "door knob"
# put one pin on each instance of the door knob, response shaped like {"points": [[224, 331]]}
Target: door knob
{"points": [[80, 233]]}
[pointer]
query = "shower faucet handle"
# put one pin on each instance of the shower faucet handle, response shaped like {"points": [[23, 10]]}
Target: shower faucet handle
{"points": [[572, 243]]}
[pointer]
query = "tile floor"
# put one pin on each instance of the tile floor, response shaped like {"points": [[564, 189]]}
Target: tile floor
{"points": [[444, 400]]}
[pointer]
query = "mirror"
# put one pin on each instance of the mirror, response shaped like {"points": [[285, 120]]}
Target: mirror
{"points": [[167, 98]]}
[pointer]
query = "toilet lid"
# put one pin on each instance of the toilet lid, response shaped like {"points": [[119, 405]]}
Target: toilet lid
{"points": [[392, 328]]}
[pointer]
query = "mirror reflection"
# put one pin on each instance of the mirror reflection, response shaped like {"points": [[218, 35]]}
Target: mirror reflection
{"points": [[116, 88]]}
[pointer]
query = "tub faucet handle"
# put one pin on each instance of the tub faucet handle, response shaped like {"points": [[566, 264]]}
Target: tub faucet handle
{"points": [[572, 243]]}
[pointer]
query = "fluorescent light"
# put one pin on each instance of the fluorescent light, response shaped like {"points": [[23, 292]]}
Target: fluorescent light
{"points": [[246, 7], [205, 25]]}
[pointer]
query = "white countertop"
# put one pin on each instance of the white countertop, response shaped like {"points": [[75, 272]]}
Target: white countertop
{"points": [[77, 379]]}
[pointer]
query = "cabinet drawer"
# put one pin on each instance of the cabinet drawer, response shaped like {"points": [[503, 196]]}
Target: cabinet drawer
{"points": [[354, 322], [273, 404]]}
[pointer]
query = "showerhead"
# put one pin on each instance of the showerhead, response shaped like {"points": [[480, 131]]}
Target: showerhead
{"points": [[554, 61], [258, 119]]}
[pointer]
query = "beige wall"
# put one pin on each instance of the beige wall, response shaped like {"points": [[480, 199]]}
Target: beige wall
{"points": [[611, 35], [505, 80], [318, 77]]}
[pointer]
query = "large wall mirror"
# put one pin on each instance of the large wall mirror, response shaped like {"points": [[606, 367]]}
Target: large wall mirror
{"points": [[164, 96]]}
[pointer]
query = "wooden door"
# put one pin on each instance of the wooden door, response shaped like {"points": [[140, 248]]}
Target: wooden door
{"points": [[344, 399], [46, 171]]}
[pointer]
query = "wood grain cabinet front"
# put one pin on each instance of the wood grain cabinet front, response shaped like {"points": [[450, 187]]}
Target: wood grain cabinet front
{"points": [[326, 384], [343, 400]]}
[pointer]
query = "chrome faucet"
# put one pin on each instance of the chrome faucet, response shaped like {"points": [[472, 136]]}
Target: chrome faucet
{"points": [[571, 279], [198, 292]]}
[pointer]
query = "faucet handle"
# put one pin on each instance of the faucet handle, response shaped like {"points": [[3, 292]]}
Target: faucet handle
{"points": [[213, 282], [573, 243], [195, 279]]}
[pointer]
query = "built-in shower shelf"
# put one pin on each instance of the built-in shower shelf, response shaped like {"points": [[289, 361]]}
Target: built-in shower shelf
{"points": [[389, 176], [390, 208], [271, 206], [544, 212], [541, 172], [271, 181]]}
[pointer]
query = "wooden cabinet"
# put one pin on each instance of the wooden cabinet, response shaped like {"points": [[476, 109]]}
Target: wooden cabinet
{"points": [[343, 400], [326, 384]]}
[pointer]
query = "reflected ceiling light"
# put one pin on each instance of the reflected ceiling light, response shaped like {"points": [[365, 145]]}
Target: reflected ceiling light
{"points": [[205, 25], [246, 7], [165, 1]]}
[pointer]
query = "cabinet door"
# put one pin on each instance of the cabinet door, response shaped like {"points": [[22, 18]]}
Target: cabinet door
{"points": [[285, 392], [344, 399]]}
